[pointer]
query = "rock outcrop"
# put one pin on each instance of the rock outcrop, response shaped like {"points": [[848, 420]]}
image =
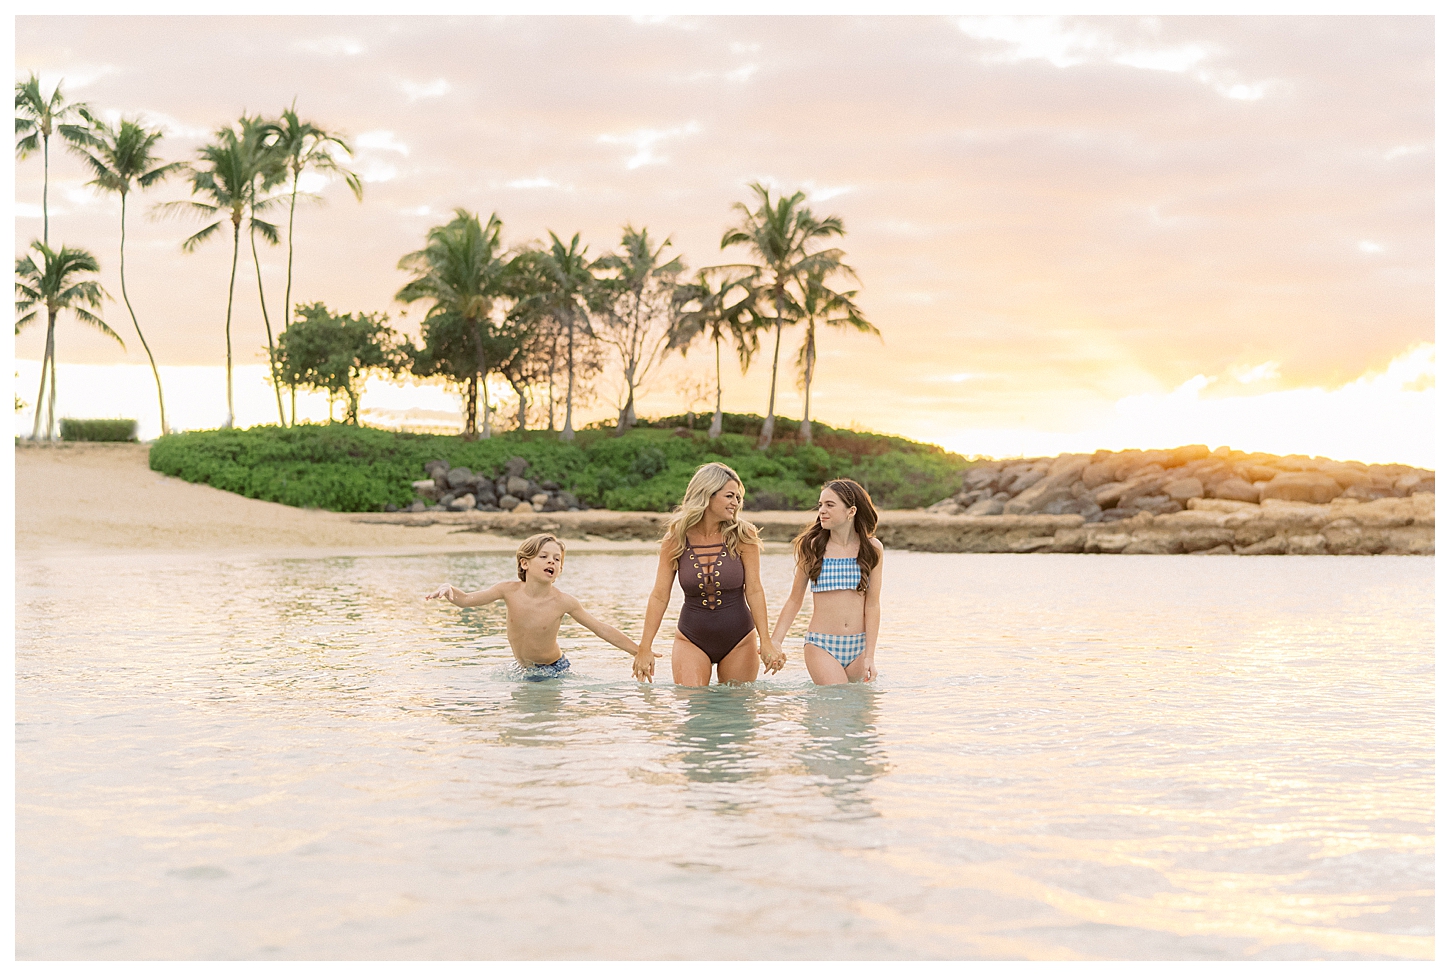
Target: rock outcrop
{"points": [[450, 489]]}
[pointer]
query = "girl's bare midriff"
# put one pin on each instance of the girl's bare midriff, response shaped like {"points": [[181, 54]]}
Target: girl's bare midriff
{"points": [[838, 612]]}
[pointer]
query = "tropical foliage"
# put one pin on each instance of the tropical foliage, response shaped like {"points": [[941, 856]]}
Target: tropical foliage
{"points": [[334, 353], [358, 469]]}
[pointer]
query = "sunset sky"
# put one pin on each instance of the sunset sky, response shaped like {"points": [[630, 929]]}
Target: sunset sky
{"points": [[1073, 233]]}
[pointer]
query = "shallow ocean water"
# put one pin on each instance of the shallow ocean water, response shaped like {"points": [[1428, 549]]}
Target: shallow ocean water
{"points": [[1065, 757]]}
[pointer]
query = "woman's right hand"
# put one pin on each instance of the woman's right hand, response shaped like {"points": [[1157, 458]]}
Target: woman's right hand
{"points": [[773, 657]]}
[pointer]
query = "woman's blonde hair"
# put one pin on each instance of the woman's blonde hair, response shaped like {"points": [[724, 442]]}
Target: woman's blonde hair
{"points": [[708, 479], [530, 547]]}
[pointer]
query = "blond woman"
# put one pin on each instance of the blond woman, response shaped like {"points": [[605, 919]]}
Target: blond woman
{"points": [[716, 558]]}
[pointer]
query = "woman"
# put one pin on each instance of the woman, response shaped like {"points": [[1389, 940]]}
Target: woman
{"points": [[716, 558], [841, 559]]}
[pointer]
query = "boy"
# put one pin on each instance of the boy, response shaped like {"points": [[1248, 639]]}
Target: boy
{"points": [[535, 609]]}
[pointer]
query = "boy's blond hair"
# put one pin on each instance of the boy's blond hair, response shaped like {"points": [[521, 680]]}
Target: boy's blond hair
{"points": [[530, 547]]}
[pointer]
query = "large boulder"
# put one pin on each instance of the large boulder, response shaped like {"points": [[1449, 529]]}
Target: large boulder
{"points": [[458, 477], [947, 506], [1099, 473], [462, 503], [1056, 486], [519, 487], [980, 477], [1236, 490], [1302, 486], [1187, 453], [515, 467], [1182, 489], [508, 503], [987, 506]]}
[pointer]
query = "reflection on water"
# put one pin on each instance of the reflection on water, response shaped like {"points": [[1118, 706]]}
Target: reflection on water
{"points": [[1065, 757]]}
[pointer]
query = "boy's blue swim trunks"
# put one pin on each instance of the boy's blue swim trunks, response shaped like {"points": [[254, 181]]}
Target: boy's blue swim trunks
{"points": [[543, 672]]}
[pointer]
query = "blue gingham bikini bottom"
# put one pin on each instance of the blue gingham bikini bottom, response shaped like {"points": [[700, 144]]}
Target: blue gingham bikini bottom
{"points": [[845, 648]]}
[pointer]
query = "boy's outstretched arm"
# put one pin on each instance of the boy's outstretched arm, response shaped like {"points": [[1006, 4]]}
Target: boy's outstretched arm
{"points": [[459, 598], [611, 634]]}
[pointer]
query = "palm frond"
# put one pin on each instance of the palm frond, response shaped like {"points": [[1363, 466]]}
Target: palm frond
{"points": [[200, 237], [105, 329]]}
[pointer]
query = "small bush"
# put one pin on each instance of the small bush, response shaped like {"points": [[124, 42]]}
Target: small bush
{"points": [[97, 430]]}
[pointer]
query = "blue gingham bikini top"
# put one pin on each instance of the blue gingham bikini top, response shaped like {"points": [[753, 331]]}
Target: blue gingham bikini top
{"points": [[837, 573]]}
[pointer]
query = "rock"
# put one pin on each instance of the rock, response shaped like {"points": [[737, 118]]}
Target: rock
{"points": [[1098, 473], [1002, 497], [508, 503], [1187, 453], [1275, 545], [462, 503], [458, 477], [1101, 541], [947, 506], [1182, 489], [515, 467], [568, 500], [436, 467], [418, 506], [425, 483], [1346, 476], [1156, 504], [428, 490], [550, 486], [488, 507], [540, 499], [1116, 514], [1235, 489], [987, 506], [1306, 545], [523, 508], [518, 487], [1405, 483], [1051, 488], [390, 507], [1024, 481], [1220, 505], [981, 477], [1302, 486], [1256, 472], [483, 491], [446, 498]]}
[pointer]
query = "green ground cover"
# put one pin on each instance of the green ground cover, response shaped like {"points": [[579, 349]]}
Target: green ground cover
{"points": [[360, 469]]}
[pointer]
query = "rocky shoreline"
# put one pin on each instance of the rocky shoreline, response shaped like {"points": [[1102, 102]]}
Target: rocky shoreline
{"points": [[1388, 526], [1179, 501]]}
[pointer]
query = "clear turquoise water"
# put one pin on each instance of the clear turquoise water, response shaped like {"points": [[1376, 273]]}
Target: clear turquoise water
{"points": [[1065, 757]]}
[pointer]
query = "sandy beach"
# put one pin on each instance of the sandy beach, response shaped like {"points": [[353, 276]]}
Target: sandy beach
{"points": [[103, 499]]}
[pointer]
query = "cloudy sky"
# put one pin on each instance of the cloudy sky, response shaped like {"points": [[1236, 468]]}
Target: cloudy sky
{"points": [[1072, 232]]}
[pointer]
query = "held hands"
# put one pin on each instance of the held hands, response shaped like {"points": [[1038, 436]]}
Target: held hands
{"points": [[772, 657], [644, 665]]}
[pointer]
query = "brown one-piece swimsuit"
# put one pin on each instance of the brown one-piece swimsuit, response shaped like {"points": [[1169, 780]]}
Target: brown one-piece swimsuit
{"points": [[715, 616]]}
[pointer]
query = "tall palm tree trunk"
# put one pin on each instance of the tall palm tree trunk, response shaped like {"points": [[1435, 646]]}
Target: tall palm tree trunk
{"points": [[810, 372], [487, 420], [45, 199], [231, 288], [40, 396], [567, 434], [768, 428], [46, 363], [267, 321], [160, 400], [718, 421], [470, 409], [287, 295], [50, 408]]}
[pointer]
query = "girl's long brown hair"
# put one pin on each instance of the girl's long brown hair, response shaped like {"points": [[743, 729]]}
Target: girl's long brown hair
{"points": [[810, 545]]}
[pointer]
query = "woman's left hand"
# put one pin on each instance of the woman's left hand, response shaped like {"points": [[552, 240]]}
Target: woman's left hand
{"points": [[870, 668], [773, 658]]}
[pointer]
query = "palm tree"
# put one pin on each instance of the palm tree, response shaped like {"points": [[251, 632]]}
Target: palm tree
{"points": [[820, 305], [779, 234], [572, 288], [36, 119], [54, 284], [639, 321], [463, 270], [704, 309], [270, 170], [304, 146], [224, 182], [122, 158]]}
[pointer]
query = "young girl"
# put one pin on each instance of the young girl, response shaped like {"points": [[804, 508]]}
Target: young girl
{"points": [[841, 559], [716, 557]]}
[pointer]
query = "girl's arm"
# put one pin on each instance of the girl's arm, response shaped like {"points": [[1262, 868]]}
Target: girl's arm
{"points": [[873, 611], [791, 608], [771, 656], [654, 615], [459, 598]]}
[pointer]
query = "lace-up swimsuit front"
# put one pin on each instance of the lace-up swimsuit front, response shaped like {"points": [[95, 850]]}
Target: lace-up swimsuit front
{"points": [[715, 616]]}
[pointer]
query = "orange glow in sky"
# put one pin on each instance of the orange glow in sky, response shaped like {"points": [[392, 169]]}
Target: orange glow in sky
{"points": [[1073, 232]]}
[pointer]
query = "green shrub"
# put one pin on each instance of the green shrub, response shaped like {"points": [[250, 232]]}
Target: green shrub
{"points": [[356, 469], [97, 430]]}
